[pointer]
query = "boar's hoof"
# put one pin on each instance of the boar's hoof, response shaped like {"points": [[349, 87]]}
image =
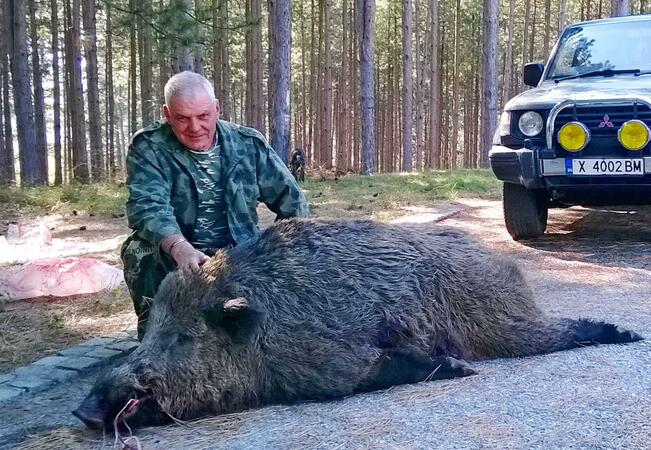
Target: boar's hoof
{"points": [[460, 367]]}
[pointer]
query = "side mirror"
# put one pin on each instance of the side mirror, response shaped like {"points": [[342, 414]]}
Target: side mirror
{"points": [[532, 73]]}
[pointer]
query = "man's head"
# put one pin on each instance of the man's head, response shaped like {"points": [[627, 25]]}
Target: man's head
{"points": [[191, 110]]}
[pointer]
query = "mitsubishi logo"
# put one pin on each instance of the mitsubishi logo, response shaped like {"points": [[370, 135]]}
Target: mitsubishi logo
{"points": [[606, 122]]}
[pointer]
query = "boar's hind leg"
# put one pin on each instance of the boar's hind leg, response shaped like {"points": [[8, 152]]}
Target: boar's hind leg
{"points": [[399, 366]]}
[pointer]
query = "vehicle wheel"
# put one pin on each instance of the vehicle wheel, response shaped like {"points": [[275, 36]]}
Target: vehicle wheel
{"points": [[525, 211]]}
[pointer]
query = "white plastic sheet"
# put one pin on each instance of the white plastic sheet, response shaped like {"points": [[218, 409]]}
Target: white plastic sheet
{"points": [[58, 277]]}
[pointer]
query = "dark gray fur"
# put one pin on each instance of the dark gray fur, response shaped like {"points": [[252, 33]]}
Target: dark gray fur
{"points": [[326, 304]]}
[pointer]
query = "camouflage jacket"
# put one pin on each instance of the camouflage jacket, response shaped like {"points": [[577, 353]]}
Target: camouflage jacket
{"points": [[162, 192]]}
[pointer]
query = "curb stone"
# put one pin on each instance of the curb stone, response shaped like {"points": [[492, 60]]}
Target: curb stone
{"points": [[65, 365]]}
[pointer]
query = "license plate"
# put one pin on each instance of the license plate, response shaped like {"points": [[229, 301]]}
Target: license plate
{"points": [[604, 166]]}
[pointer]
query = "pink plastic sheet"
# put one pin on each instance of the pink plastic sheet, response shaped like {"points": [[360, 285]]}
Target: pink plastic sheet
{"points": [[58, 277]]}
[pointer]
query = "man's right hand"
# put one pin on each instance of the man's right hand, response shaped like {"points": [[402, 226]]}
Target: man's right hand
{"points": [[184, 254]]}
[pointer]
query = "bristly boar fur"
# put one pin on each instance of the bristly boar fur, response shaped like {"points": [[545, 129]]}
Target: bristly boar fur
{"points": [[317, 309]]}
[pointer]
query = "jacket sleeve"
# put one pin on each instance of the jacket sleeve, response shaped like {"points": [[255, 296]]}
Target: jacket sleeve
{"points": [[278, 189], [148, 208]]}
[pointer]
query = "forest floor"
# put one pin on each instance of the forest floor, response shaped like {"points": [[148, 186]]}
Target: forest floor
{"points": [[593, 263]]}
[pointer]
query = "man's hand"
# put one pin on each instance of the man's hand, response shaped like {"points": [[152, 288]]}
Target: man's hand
{"points": [[185, 255]]}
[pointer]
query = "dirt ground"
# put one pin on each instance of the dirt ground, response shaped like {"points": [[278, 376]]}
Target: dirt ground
{"points": [[32, 329], [593, 263], [586, 241]]}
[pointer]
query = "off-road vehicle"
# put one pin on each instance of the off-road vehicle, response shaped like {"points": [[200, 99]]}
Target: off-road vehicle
{"points": [[581, 135]]}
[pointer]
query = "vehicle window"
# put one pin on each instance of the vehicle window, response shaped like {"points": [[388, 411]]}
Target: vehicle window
{"points": [[582, 49]]}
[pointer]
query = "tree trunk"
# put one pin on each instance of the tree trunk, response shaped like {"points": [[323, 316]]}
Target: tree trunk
{"points": [[4, 170], [39, 97], [419, 90], [200, 36], [30, 171], [392, 96], [407, 85], [525, 40], [326, 87], [304, 85], [56, 93], [434, 147], [8, 168], [562, 7], [79, 157], [548, 13], [147, 105], [456, 107], [221, 59], [92, 80], [164, 66], [489, 81], [508, 59], [366, 33], [183, 30], [111, 166], [311, 139], [280, 37], [133, 71], [355, 88], [254, 62], [620, 8], [345, 104], [532, 39]]}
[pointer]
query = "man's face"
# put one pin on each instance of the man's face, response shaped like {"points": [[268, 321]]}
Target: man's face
{"points": [[193, 120]]}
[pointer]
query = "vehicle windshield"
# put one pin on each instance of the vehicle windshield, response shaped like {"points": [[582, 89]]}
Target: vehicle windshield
{"points": [[604, 46]]}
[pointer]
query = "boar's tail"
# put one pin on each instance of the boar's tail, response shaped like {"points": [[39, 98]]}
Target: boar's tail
{"points": [[584, 332]]}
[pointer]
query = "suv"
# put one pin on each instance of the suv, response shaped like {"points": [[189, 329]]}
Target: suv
{"points": [[581, 136]]}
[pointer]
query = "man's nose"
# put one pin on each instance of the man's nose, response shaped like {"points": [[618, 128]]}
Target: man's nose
{"points": [[195, 124]]}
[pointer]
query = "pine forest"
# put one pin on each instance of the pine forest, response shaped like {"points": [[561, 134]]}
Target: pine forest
{"points": [[366, 86]]}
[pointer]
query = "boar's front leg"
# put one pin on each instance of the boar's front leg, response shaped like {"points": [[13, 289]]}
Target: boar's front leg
{"points": [[401, 366]]}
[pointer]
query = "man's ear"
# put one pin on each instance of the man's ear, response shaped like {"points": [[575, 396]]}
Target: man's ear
{"points": [[235, 316], [166, 112]]}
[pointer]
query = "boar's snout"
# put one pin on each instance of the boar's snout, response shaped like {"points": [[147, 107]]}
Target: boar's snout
{"points": [[90, 413], [118, 395]]}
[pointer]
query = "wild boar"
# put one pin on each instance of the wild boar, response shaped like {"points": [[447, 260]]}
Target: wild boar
{"points": [[318, 309]]}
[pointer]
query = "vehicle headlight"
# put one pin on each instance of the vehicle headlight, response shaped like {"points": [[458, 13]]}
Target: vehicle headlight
{"points": [[573, 136], [633, 135], [530, 123], [505, 123]]}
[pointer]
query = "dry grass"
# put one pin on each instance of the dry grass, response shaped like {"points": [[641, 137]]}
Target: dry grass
{"points": [[31, 329], [66, 437]]}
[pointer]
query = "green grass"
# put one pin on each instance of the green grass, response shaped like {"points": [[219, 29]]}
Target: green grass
{"points": [[347, 195], [98, 199], [363, 194]]}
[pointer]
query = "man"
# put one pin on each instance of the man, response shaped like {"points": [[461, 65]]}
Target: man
{"points": [[194, 183], [297, 164]]}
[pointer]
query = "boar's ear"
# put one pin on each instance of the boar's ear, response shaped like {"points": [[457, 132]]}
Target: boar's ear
{"points": [[235, 316]]}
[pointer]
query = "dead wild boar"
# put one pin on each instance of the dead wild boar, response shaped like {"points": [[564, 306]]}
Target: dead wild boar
{"points": [[318, 309]]}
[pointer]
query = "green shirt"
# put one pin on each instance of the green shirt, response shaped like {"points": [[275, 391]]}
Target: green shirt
{"points": [[211, 229], [163, 192]]}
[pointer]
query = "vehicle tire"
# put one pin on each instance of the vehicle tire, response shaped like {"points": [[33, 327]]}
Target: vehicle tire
{"points": [[525, 211]]}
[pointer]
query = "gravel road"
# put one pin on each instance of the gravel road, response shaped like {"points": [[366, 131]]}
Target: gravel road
{"points": [[592, 263]]}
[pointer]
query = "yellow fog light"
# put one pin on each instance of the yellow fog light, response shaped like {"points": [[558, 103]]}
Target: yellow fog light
{"points": [[573, 136], [633, 135]]}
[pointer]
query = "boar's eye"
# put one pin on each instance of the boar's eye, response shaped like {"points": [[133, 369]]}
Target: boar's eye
{"points": [[236, 317]]}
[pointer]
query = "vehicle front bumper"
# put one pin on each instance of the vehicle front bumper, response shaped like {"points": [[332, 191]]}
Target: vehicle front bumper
{"points": [[523, 166], [518, 166]]}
